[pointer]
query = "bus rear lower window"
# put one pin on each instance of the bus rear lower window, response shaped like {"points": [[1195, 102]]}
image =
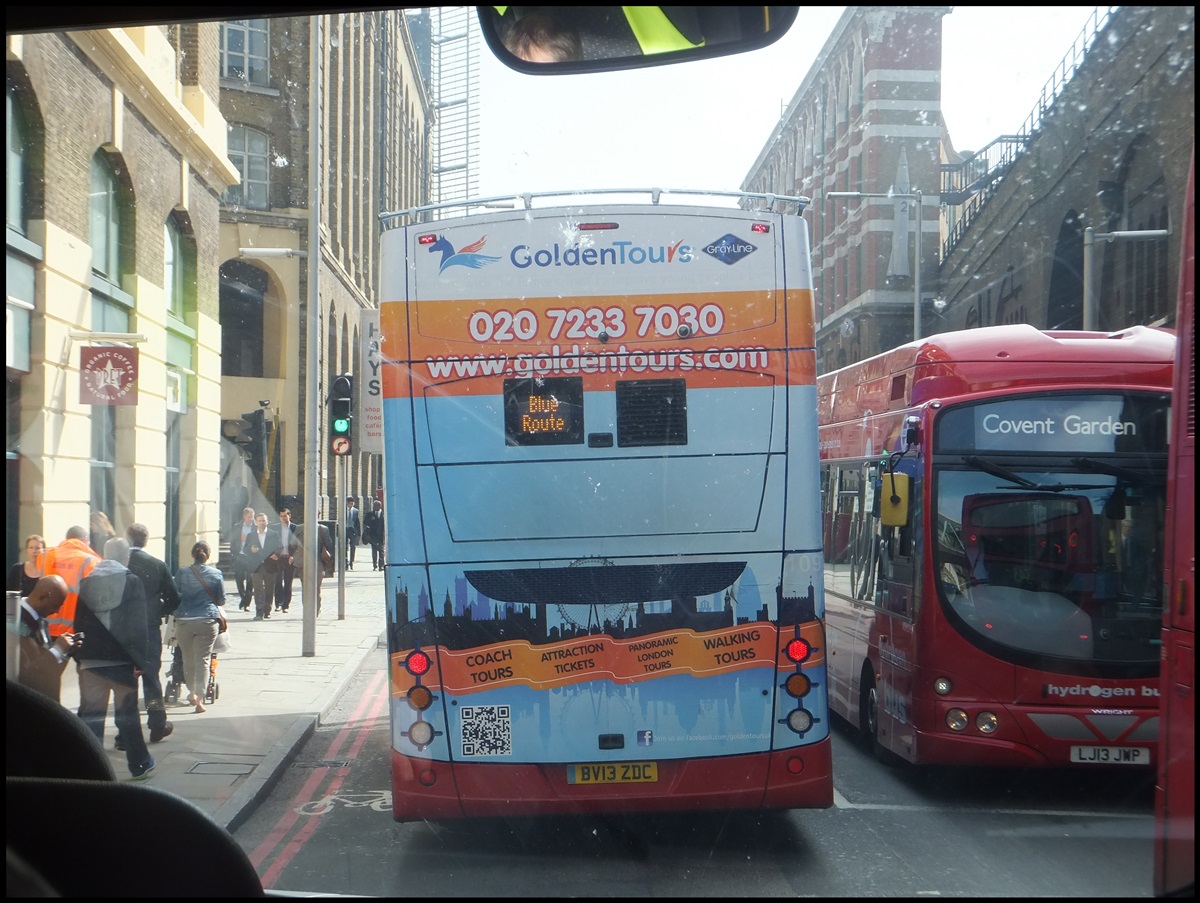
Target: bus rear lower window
{"points": [[545, 411], [651, 412]]}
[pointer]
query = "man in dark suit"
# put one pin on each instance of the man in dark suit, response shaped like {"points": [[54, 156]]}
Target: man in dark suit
{"points": [[325, 560], [238, 545], [42, 659], [289, 547], [261, 551], [162, 598], [373, 534], [353, 530]]}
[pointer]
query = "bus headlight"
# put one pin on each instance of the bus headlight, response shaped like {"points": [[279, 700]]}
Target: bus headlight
{"points": [[957, 720], [942, 686], [986, 722]]}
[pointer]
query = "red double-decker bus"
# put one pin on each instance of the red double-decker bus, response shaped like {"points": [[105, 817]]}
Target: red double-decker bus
{"points": [[993, 511], [1175, 799]]}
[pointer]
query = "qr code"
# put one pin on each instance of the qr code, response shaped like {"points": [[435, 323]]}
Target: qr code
{"points": [[486, 730]]}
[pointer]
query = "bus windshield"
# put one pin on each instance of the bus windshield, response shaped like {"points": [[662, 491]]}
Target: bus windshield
{"points": [[1049, 573]]}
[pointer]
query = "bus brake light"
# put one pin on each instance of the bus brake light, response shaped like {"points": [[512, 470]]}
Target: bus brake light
{"points": [[418, 663], [797, 650]]}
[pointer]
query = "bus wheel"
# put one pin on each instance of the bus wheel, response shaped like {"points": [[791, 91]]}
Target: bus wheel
{"points": [[868, 711], [868, 721]]}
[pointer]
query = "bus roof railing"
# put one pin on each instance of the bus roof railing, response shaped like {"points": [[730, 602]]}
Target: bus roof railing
{"points": [[526, 199]]}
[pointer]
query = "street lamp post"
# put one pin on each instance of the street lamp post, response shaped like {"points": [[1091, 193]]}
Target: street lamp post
{"points": [[1089, 283], [914, 195], [309, 576]]}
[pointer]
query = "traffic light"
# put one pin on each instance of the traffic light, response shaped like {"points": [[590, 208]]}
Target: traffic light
{"points": [[341, 414], [256, 447]]}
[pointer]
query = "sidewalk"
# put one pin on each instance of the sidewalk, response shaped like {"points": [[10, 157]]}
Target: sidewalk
{"points": [[271, 697]]}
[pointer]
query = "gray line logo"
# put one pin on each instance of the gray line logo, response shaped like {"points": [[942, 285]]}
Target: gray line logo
{"points": [[729, 249]]}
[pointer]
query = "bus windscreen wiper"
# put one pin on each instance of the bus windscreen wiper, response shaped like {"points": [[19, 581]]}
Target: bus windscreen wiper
{"points": [[1124, 474], [1015, 478]]}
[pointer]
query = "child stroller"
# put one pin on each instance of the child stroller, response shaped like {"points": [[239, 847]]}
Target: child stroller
{"points": [[175, 680]]}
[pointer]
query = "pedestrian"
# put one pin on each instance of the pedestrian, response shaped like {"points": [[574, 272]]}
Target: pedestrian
{"points": [[101, 532], [72, 559], [373, 533], [289, 548], [263, 564], [325, 550], [24, 575], [242, 569], [198, 619], [353, 530], [41, 658], [162, 598], [111, 616]]}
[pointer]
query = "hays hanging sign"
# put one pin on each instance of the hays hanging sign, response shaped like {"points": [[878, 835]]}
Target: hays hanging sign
{"points": [[107, 375]]}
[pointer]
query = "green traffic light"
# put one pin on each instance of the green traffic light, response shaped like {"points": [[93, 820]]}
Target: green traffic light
{"points": [[341, 425]]}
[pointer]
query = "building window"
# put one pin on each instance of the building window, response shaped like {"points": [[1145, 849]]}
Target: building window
{"points": [[248, 149], [103, 464], [179, 268], [23, 256], [243, 304], [15, 166], [172, 467], [244, 45], [105, 231]]}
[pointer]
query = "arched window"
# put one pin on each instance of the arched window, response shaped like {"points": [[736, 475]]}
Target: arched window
{"points": [[16, 168], [249, 149], [111, 232], [179, 268], [243, 303], [106, 221]]}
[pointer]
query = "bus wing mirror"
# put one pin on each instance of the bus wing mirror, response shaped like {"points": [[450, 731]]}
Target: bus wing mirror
{"points": [[562, 40], [893, 500]]}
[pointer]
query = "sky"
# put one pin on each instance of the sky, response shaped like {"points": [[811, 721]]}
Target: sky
{"points": [[703, 124]]}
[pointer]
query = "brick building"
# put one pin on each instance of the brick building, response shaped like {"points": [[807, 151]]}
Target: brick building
{"points": [[1002, 229]]}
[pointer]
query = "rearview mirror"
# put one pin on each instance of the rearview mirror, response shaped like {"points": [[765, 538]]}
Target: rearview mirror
{"points": [[557, 40], [893, 500]]}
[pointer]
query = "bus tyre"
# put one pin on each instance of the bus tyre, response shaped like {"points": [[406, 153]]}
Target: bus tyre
{"points": [[868, 720], [868, 711]]}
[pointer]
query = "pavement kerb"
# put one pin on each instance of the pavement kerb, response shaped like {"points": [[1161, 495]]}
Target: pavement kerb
{"points": [[259, 783]]}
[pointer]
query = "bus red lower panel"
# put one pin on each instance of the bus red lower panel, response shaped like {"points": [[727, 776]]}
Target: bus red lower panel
{"points": [[789, 779]]}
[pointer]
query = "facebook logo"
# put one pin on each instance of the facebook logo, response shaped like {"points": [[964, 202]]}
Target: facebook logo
{"points": [[645, 738]]}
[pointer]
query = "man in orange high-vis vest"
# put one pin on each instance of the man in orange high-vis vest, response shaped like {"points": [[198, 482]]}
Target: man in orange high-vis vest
{"points": [[72, 559]]}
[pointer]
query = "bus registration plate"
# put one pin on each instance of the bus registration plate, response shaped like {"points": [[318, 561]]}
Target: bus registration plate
{"points": [[613, 773], [1111, 755]]}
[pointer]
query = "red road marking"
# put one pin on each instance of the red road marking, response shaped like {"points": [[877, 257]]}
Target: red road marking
{"points": [[274, 838]]}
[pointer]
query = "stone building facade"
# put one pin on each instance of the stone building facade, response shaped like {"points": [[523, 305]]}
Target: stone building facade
{"points": [[374, 118], [117, 159]]}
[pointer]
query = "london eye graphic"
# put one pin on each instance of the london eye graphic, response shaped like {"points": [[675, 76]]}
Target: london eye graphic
{"points": [[585, 616]]}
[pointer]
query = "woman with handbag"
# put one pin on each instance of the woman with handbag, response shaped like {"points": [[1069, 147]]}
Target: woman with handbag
{"points": [[198, 619]]}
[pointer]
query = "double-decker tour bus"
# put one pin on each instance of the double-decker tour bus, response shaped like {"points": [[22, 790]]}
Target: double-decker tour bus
{"points": [[1175, 793], [603, 529], [993, 516]]}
